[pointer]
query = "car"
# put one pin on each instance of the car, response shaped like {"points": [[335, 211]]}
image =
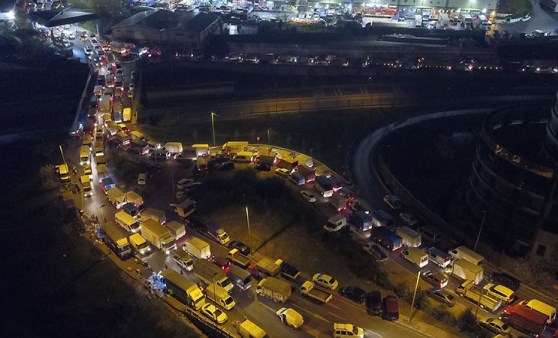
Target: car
{"points": [[87, 170], [376, 251], [87, 50], [241, 247], [353, 293], [408, 218], [373, 303], [499, 291], [133, 75], [183, 260], [142, 178], [494, 325], [131, 94], [282, 172], [223, 263], [289, 271], [290, 317], [391, 308], [437, 279], [505, 280], [263, 167], [347, 330], [325, 281], [443, 296], [308, 195], [106, 184], [131, 86], [214, 313], [71, 36]]}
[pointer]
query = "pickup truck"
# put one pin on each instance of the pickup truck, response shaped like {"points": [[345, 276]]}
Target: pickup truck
{"points": [[288, 271], [238, 259], [309, 290]]}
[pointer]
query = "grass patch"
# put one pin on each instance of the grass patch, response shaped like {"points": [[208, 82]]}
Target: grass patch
{"points": [[518, 8]]}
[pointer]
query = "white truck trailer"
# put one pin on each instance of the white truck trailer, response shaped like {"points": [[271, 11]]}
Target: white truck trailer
{"points": [[158, 235], [466, 270], [197, 248], [411, 238], [275, 289]]}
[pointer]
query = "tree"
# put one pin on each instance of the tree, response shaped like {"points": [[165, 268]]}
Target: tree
{"points": [[48, 177]]}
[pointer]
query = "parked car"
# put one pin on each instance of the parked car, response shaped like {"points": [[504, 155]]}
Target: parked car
{"points": [[241, 247], [223, 263], [325, 281], [373, 303], [282, 172], [437, 279], [307, 195], [408, 218], [495, 326], [391, 308], [347, 330], [443, 296], [505, 280], [376, 251], [142, 178], [214, 313], [263, 167], [353, 293]]}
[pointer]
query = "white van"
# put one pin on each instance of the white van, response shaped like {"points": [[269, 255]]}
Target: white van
{"points": [[467, 254], [183, 260], [220, 296], [140, 245], [438, 257], [416, 256]]}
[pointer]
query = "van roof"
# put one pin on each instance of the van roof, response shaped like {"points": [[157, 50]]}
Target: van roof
{"points": [[137, 239]]}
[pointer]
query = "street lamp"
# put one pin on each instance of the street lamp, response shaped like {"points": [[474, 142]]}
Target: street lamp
{"points": [[480, 230], [414, 295], [63, 159], [248, 222], [268, 136], [213, 126]]}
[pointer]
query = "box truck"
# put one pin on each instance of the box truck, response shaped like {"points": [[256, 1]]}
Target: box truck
{"points": [[157, 215], [324, 186], [240, 277], [185, 208], [380, 218], [416, 256], [209, 273], [197, 248], [410, 237], [219, 296], [275, 289], [524, 319], [116, 197], [233, 147], [387, 238], [116, 239], [467, 254], [183, 289], [177, 229], [127, 222], [158, 235], [466, 270]]}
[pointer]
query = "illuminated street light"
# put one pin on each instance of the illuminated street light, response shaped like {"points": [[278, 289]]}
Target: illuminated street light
{"points": [[213, 126], [414, 295], [248, 222], [480, 230]]}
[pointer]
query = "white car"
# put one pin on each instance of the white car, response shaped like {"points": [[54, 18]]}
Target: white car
{"points": [[282, 172], [308, 195], [87, 50], [214, 313], [347, 330], [142, 178], [71, 36], [408, 218], [325, 281], [290, 317], [495, 325]]}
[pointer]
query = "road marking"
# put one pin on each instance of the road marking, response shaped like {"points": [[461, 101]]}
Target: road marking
{"points": [[321, 318], [335, 306], [334, 315], [267, 307], [374, 333]]}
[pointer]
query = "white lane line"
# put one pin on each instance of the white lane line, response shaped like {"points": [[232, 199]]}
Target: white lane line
{"points": [[374, 333], [334, 315]]}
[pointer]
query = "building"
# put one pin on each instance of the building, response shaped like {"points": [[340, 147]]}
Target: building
{"points": [[512, 186], [163, 27]]}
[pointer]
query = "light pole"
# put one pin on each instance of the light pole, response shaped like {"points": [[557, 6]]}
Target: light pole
{"points": [[269, 136], [414, 295], [103, 214], [63, 158], [213, 279], [213, 126], [480, 230], [248, 222]]}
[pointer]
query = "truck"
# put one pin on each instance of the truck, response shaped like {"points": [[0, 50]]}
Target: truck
{"points": [[116, 239], [418, 20], [248, 329], [139, 147], [233, 147], [309, 290], [240, 277], [466, 270], [197, 248], [135, 198], [287, 163], [211, 273], [239, 259], [126, 221], [467, 290], [127, 114], [335, 223], [84, 155], [467, 254], [275, 289], [338, 202], [410, 237], [183, 289], [288, 271], [63, 172], [387, 238], [244, 157], [380, 218], [324, 186], [416, 256], [201, 164], [267, 267], [158, 235], [218, 233], [104, 104], [140, 245], [269, 160], [154, 214], [185, 208], [201, 150], [544, 308], [173, 148], [361, 220], [177, 229], [524, 319], [131, 209], [85, 183], [116, 197], [308, 173]]}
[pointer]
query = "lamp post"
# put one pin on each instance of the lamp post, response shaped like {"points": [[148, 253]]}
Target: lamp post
{"points": [[103, 214], [414, 295], [269, 136], [213, 126], [248, 223], [480, 230], [63, 158], [213, 279]]}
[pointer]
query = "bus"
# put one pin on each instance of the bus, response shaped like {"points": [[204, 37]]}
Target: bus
{"points": [[84, 155]]}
